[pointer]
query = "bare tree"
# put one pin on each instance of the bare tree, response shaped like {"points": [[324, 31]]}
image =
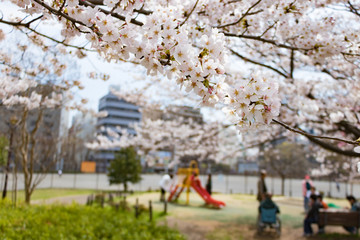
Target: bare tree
{"points": [[36, 143], [37, 107], [286, 160], [338, 167]]}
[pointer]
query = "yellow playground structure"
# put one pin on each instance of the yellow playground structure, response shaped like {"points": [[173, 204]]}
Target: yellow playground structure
{"points": [[188, 177]]}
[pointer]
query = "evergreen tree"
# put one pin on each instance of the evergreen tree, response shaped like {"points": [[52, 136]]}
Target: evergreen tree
{"points": [[126, 167]]}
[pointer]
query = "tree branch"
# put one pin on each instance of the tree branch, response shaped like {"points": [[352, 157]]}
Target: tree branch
{"points": [[188, 15], [242, 17], [257, 63], [333, 148], [101, 2], [118, 16], [353, 9], [308, 135], [57, 13], [350, 128], [259, 38], [292, 64], [27, 26]]}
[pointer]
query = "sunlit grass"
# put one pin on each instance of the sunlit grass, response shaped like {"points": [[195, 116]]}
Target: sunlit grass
{"points": [[42, 194]]}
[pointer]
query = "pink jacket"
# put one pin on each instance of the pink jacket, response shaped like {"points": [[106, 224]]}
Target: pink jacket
{"points": [[304, 186]]}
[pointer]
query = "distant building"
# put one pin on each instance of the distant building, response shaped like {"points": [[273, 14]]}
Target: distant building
{"points": [[82, 131], [247, 167], [52, 128], [185, 112], [152, 113], [173, 112], [120, 114]]}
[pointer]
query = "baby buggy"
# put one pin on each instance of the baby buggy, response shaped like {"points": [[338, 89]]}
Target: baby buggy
{"points": [[268, 218]]}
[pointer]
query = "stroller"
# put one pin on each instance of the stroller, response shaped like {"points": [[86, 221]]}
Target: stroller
{"points": [[268, 218]]}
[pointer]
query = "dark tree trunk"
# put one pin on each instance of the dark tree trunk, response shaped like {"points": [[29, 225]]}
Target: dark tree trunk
{"points": [[27, 197], [282, 185], [7, 166]]}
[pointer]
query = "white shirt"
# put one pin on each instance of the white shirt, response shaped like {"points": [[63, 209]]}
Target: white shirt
{"points": [[165, 182]]}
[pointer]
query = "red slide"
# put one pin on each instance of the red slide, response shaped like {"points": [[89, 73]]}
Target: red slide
{"points": [[175, 193], [195, 184], [172, 193]]}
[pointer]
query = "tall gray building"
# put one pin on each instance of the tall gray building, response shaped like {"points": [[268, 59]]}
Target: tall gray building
{"points": [[46, 125], [120, 113]]}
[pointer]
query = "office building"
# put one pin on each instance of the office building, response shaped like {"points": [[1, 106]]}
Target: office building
{"points": [[120, 114]]}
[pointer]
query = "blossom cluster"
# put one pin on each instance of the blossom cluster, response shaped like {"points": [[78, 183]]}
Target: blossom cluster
{"points": [[253, 101], [189, 42], [180, 137]]}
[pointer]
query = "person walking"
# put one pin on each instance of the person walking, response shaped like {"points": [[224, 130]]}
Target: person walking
{"points": [[209, 184], [337, 186], [261, 186], [306, 188], [165, 185]]}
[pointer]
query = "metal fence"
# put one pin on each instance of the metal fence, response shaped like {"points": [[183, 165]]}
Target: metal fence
{"points": [[221, 183]]}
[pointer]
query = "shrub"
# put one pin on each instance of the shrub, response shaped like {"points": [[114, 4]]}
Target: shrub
{"points": [[77, 222]]}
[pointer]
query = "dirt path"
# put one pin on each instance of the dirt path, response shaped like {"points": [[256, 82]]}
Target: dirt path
{"points": [[212, 230]]}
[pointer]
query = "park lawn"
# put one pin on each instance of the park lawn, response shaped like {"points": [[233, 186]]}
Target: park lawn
{"points": [[238, 219], [240, 208], [47, 193]]}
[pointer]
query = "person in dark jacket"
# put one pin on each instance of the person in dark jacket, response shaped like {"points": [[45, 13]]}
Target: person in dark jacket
{"points": [[261, 186], [209, 184], [355, 207], [312, 216]]}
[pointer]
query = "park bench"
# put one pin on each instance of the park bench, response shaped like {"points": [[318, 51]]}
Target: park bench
{"points": [[339, 218]]}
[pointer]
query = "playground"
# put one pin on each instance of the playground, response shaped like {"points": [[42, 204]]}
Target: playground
{"points": [[197, 221], [237, 220], [199, 215], [188, 178]]}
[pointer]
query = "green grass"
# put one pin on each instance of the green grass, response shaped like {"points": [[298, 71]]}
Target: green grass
{"points": [[42, 194]]}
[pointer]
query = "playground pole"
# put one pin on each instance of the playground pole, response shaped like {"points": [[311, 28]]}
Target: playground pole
{"points": [[188, 195]]}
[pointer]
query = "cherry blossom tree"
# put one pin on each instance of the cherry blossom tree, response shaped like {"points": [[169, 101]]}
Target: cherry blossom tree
{"points": [[31, 85], [339, 168], [250, 57], [176, 136]]}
